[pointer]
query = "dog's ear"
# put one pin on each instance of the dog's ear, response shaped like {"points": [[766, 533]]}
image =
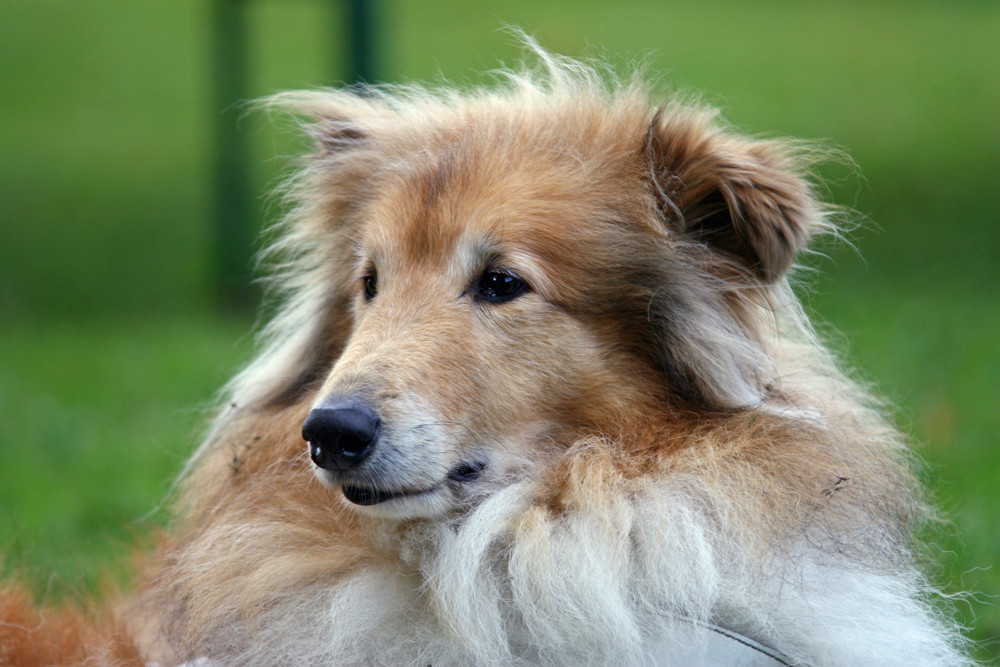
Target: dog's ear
{"points": [[335, 136], [312, 259], [336, 120], [743, 198], [744, 210]]}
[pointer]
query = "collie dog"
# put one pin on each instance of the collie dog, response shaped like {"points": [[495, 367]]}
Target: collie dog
{"points": [[535, 390]]}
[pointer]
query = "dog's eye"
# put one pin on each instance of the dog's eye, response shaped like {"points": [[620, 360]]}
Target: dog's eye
{"points": [[370, 281], [498, 286]]}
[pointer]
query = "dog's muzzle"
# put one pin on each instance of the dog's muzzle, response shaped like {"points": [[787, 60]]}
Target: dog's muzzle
{"points": [[340, 438]]}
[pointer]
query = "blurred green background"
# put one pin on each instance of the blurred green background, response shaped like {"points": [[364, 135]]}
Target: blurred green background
{"points": [[111, 342]]}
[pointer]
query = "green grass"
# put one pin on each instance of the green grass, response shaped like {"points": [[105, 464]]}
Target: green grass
{"points": [[96, 419], [107, 353]]}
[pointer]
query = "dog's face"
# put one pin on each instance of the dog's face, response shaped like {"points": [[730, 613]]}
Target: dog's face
{"points": [[511, 287], [470, 352]]}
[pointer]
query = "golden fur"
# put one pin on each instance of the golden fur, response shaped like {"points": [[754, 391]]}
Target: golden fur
{"points": [[659, 442]]}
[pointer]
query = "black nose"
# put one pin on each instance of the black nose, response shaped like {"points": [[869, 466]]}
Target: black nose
{"points": [[342, 437]]}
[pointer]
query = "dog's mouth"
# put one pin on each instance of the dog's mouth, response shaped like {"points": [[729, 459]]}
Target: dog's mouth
{"points": [[363, 495], [463, 473]]}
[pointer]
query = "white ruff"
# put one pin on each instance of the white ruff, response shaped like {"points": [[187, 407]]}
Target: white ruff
{"points": [[634, 579]]}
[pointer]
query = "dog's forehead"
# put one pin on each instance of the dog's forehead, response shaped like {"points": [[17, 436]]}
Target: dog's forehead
{"points": [[458, 200]]}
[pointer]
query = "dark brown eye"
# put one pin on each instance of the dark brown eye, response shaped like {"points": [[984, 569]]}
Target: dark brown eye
{"points": [[370, 281], [499, 286]]}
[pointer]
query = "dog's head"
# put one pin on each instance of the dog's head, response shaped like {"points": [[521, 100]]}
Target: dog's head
{"points": [[482, 279]]}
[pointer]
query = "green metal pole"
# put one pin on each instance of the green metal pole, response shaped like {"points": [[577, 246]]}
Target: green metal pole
{"points": [[232, 215], [232, 212], [360, 41]]}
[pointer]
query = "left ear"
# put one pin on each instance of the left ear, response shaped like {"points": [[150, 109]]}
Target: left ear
{"points": [[743, 198]]}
